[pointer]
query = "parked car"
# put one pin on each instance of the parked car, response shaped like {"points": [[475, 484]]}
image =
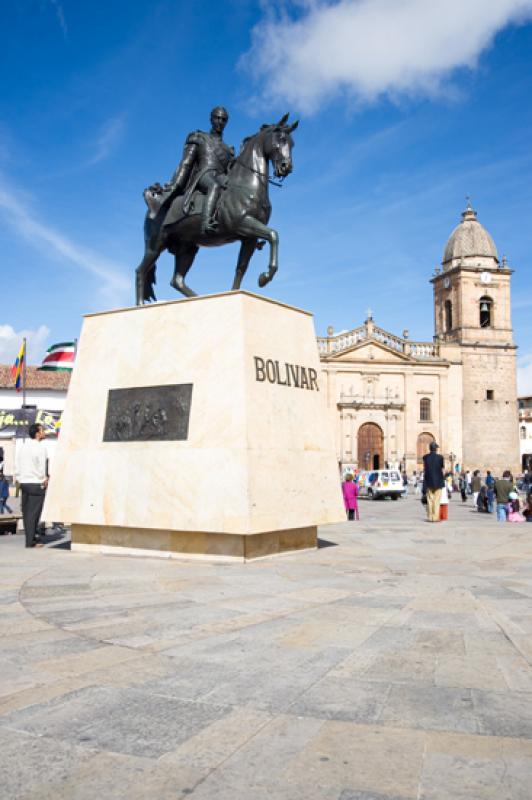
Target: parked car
{"points": [[381, 483]]}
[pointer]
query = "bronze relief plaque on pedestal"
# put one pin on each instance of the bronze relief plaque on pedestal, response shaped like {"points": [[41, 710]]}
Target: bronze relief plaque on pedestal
{"points": [[148, 413]]}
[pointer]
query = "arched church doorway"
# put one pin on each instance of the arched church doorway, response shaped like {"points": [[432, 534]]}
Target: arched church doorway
{"points": [[423, 444], [370, 446]]}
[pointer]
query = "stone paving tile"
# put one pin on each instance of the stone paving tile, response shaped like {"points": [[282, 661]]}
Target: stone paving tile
{"points": [[431, 708], [375, 601], [30, 763], [517, 672], [504, 713], [362, 758], [36, 694], [49, 644], [126, 721], [265, 765], [343, 699], [218, 741], [479, 672], [272, 683], [117, 776], [460, 767], [348, 794]]}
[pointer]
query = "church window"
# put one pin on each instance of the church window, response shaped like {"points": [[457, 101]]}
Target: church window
{"points": [[448, 315], [489, 394], [424, 409], [486, 307], [523, 432]]}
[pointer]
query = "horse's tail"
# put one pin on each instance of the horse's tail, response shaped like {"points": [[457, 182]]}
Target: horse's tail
{"points": [[147, 268]]}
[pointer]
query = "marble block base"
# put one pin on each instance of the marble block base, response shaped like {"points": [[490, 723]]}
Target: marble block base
{"points": [[194, 424], [191, 544]]}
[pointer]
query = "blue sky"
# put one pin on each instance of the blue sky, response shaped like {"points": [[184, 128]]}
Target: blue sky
{"points": [[404, 110]]}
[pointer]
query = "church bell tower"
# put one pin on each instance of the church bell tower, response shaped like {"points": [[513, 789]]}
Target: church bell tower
{"points": [[472, 309]]}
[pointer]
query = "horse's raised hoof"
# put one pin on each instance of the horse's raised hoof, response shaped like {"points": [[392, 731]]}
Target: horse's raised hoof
{"points": [[264, 278], [183, 288]]}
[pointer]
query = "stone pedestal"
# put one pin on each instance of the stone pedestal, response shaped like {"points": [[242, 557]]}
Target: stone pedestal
{"points": [[196, 428]]}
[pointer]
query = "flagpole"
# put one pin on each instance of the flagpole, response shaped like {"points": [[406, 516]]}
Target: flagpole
{"points": [[24, 373], [24, 387]]}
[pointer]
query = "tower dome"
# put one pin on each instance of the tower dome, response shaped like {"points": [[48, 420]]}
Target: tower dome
{"points": [[470, 242]]}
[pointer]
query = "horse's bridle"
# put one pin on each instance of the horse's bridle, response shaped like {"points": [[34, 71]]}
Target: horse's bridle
{"points": [[260, 174]]}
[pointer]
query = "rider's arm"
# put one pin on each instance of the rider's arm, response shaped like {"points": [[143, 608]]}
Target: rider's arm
{"points": [[181, 175]]}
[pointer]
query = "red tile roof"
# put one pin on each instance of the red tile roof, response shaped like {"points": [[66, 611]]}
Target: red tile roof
{"points": [[36, 379]]}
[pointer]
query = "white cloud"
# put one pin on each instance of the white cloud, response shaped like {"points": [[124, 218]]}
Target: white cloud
{"points": [[60, 14], [10, 341], [370, 48], [109, 136], [24, 220], [524, 376]]}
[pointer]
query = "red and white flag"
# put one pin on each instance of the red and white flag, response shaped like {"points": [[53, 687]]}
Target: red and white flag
{"points": [[60, 357]]}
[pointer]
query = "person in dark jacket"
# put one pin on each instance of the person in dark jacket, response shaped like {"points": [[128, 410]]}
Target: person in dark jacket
{"points": [[4, 495], [503, 487], [434, 481], [462, 485], [476, 484]]}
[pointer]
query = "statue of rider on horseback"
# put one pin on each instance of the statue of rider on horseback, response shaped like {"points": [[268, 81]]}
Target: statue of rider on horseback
{"points": [[206, 159], [214, 199]]}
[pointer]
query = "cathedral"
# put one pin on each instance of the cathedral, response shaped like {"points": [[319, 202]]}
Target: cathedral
{"points": [[390, 397]]}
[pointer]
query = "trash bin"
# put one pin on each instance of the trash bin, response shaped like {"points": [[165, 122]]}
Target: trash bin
{"points": [[444, 512]]}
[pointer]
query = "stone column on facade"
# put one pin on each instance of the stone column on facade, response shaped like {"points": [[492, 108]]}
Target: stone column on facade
{"points": [[386, 437], [341, 449], [410, 446], [349, 437], [442, 420]]}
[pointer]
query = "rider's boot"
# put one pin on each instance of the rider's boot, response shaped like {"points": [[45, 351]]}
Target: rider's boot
{"points": [[208, 223]]}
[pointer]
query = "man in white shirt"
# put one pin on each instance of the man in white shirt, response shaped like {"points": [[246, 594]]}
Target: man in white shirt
{"points": [[30, 472]]}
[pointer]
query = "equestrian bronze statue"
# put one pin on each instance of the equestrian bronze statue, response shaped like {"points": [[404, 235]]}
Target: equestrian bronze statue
{"points": [[213, 199]]}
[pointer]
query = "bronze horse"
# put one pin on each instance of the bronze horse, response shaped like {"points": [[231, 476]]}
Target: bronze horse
{"points": [[243, 214]]}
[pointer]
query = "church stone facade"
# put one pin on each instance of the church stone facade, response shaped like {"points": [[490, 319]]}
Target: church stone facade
{"points": [[390, 396]]}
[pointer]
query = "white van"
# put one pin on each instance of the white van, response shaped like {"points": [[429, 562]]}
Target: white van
{"points": [[381, 483]]}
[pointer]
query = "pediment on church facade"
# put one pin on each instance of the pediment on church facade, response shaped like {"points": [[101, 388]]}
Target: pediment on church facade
{"points": [[371, 349]]}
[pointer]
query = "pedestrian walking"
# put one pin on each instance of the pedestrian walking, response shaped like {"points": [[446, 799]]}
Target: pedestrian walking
{"points": [[469, 478], [30, 468], [462, 485], [482, 499], [404, 476], [503, 488], [433, 481], [350, 493], [476, 484], [449, 485], [4, 495], [527, 511], [490, 491]]}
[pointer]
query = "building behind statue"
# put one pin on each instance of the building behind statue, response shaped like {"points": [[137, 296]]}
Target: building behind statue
{"points": [[390, 396]]}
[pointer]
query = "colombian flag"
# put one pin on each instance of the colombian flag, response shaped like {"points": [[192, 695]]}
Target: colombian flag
{"points": [[16, 369]]}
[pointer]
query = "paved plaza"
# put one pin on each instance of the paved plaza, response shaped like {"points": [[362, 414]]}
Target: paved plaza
{"points": [[395, 663]]}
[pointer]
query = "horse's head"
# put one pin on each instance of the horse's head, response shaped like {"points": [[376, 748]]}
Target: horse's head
{"points": [[278, 144]]}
